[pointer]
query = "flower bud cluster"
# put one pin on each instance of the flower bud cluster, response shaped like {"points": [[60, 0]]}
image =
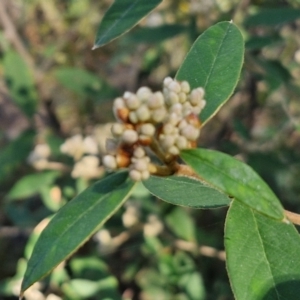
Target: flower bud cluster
{"points": [[169, 118]]}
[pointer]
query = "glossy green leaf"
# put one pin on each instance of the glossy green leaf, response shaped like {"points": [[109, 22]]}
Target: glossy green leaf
{"points": [[262, 255], [149, 35], [273, 17], [120, 17], [32, 184], [235, 178], [214, 63], [20, 82], [185, 191], [74, 224], [15, 154]]}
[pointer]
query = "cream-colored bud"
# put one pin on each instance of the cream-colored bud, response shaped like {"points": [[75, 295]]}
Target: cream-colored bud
{"points": [[131, 100], [173, 150], [176, 108], [117, 129], [143, 93], [196, 96], [185, 87], [139, 152], [182, 97], [145, 175], [147, 129], [135, 175], [174, 86], [173, 118], [172, 98], [130, 136], [190, 132], [133, 117], [109, 162], [168, 128], [183, 123], [140, 165], [159, 114], [156, 100], [119, 103], [143, 113], [167, 81], [181, 142], [167, 141]]}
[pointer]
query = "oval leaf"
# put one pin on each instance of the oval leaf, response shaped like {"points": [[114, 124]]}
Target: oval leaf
{"points": [[234, 178], [120, 17], [74, 224], [214, 63], [262, 255], [185, 191]]}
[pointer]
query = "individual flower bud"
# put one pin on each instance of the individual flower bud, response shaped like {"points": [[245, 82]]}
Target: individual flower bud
{"points": [[159, 114], [155, 100], [145, 175], [135, 175], [185, 87], [143, 113], [172, 98], [131, 100], [117, 129], [109, 162], [173, 150], [167, 81], [190, 132], [122, 114], [143, 93], [182, 97], [133, 117], [174, 119], [174, 86], [176, 108], [139, 152], [183, 123], [119, 103], [140, 165], [90, 145], [167, 141], [181, 142], [168, 128], [147, 129], [122, 160], [196, 96], [129, 136]]}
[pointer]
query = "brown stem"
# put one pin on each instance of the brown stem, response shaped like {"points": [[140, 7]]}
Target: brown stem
{"points": [[293, 217]]}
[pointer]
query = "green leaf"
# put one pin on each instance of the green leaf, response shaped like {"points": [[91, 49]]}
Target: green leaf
{"points": [[157, 34], [20, 82], [235, 178], [273, 17], [83, 83], [32, 184], [185, 191], [214, 63], [262, 255], [120, 17], [13, 155], [187, 228], [75, 223]]}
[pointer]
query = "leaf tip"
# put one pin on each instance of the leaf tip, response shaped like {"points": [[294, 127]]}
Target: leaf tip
{"points": [[95, 47]]}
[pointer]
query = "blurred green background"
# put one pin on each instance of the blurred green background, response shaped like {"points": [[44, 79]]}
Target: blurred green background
{"points": [[53, 87]]}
